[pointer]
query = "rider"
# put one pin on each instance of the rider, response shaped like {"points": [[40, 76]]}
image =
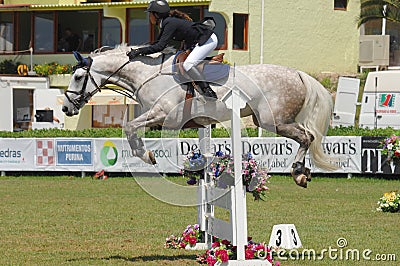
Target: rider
{"points": [[176, 25]]}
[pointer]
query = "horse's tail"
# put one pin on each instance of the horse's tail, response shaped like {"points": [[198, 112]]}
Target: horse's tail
{"points": [[315, 117]]}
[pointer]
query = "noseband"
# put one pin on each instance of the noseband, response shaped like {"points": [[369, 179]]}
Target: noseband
{"points": [[84, 96]]}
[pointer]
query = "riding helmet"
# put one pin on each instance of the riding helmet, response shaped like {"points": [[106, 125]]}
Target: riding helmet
{"points": [[158, 6]]}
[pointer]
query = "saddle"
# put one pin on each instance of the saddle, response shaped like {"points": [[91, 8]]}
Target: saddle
{"points": [[213, 69]]}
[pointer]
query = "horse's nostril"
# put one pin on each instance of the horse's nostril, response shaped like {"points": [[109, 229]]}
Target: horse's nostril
{"points": [[64, 109]]}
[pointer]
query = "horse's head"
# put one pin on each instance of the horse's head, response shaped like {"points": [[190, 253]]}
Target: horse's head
{"points": [[96, 71], [81, 87]]}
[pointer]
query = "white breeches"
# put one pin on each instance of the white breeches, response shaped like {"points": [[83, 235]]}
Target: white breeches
{"points": [[200, 52]]}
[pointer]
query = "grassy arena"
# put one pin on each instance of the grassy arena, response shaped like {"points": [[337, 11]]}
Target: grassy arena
{"points": [[79, 221]]}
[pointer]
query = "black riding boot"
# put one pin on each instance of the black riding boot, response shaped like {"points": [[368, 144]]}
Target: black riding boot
{"points": [[199, 79]]}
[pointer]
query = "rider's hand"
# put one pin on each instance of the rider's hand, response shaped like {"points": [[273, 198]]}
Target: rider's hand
{"points": [[133, 53]]}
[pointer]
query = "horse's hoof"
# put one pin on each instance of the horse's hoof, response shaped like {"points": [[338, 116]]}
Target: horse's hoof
{"points": [[152, 158], [149, 158], [307, 172], [301, 180]]}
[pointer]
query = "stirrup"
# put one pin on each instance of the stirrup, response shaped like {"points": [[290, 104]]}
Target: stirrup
{"points": [[209, 93]]}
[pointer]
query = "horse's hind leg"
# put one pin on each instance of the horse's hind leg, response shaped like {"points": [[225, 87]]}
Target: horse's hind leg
{"points": [[294, 131]]}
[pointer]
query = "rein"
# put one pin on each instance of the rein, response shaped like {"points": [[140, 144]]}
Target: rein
{"points": [[85, 98], [159, 73]]}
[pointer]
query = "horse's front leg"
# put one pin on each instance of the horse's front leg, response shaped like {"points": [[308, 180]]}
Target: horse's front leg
{"points": [[299, 172], [150, 118]]}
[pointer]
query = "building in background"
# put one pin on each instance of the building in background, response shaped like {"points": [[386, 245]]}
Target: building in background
{"points": [[313, 36]]}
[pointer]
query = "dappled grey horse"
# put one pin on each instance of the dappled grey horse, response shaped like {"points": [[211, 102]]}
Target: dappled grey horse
{"points": [[283, 100]]}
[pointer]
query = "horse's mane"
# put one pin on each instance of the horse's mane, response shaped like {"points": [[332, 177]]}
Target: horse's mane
{"points": [[124, 48]]}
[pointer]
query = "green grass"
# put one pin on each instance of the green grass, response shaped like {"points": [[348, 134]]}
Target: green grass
{"points": [[80, 221]]}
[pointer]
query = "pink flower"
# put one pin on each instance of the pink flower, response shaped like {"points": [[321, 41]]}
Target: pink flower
{"points": [[215, 244], [222, 254], [249, 254], [260, 247], [277, 263], [186, 238], [211, 260], [182, 245], [192, 241]]}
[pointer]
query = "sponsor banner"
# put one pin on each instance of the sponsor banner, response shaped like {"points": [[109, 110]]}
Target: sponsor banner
{"points": [[373, 162], [45, 156], [16, 154], [74, 152], [277, 154], [346, 150], [355, 154], [115, 155]]}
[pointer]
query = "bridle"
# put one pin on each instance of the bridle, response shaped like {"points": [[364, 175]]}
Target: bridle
{"points": [[84, 96]]}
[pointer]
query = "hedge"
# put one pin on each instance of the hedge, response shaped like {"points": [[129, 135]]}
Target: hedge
{"points": [[188, 133]]}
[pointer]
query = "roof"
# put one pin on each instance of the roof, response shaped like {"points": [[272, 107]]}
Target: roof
{"points": [[29, 7]]}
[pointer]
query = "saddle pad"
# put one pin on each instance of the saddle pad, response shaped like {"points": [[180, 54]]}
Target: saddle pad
{"points": [[212, 72]]}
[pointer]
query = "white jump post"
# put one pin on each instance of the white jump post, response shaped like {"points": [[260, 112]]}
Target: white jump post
{"points": [[203, 208], [235, 102], [232, 198]]}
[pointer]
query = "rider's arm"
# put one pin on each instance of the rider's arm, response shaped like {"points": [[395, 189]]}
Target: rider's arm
{"points": [[168, 29]]}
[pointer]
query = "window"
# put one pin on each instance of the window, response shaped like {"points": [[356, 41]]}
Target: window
{"points": [[44, 32], [340, 4], [58, 31], [220, 28], [6, 32], [110, 32], [23, 32], [139, 32], [194, 12], [82, 36], [240, 31]]}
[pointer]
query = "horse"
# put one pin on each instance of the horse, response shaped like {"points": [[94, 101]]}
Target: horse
{"points": [[280, 99]]}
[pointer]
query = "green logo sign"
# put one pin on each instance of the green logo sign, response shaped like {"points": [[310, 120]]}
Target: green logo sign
{"points": [[109, 154]]}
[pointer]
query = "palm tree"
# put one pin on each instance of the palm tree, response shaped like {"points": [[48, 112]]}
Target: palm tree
{"points": [[379, 9]]}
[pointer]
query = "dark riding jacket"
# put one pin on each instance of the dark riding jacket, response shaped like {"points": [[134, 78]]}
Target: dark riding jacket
{"points": [[173, 28]]}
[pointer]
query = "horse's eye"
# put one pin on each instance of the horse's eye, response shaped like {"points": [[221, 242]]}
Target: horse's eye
{"points": [[78, 78]]}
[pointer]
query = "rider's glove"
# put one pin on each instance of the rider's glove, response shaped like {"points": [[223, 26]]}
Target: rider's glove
{"points": [[133, 53]]}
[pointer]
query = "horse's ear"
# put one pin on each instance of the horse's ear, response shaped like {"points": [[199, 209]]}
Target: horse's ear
{"points": [[81, 60], [78, 56]]}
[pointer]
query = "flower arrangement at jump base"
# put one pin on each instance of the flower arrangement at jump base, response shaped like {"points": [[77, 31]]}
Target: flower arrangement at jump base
{"points": [[254, 178], [391, 148], [222, 250], [390, 202], [189, 238], [193, 167]]}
